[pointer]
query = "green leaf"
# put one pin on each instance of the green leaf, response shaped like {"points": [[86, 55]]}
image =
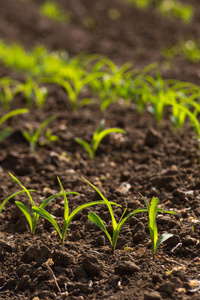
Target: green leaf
{"points": [[98, 130], [138, 210], [5, 133], [26, 213], [42, 126], [66, 211], [99, 223], [122, 221], [152, 223], [163, 238], [43, 213], [85, 205], [86, 146], [52, 197], [103, 134], [97, 220], [169, 212], [27, 136], [66, 206], [23, 187], [13, 113], [114, 223], [11, 196]]}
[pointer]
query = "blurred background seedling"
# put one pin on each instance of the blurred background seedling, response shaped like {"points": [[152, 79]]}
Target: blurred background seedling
{"points": [[98, 136], [33, 93], [5, 132], [175, 9], [51, 10], [189, 50], [32, 136], [7, 91]]}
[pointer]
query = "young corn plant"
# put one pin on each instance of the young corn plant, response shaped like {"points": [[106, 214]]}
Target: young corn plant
{"points": [[32, 91], [10, 197], [33, 136], [175, 9], [32, 217], [67, 216], [51, 10], [7, 88], [153, 230], [193, 116], [116, 226], [5, 132], [98, 136]]}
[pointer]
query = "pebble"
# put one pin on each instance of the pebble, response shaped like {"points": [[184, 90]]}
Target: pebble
{"points": [[163, 220], [189, 241], [152, 296], [92, 265], [167, 287], [126, 267], [152, 138], [24, 283], [138, 236], [101, 240]]}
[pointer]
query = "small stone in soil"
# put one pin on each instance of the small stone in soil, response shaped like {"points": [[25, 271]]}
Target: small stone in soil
{"points": [[126, 267], [152, 138], [152, 296], [167, 287], [92, 265]]}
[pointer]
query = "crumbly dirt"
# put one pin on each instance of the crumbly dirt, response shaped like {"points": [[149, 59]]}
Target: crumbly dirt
{"points": [[151, 159]]}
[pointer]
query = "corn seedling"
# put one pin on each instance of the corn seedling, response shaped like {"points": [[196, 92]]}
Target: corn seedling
{"points": [[175, 9], [7, 91], [188, 49], [33, 136], [51, 10], [98, 135], [168, 8], [116, 226], [10, 197], [5, 132], [67, 217], [32, 91], [158, 97], [140, 3], [193, 120], [32, 217], [153, 230]]}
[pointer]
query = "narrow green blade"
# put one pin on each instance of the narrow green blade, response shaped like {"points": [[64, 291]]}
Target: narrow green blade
{"points": [[152, 223], [163, 238], [85, 205], [114, 223], [13, 113], [43, 213], [52, 197], [23, 187], [98, 130], [86, 146], [66, 205], [103, 134], [99, 223], [26, 213], [11, 196]]}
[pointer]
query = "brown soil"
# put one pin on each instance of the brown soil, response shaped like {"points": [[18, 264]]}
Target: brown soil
{"points": [[151, 159]]}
